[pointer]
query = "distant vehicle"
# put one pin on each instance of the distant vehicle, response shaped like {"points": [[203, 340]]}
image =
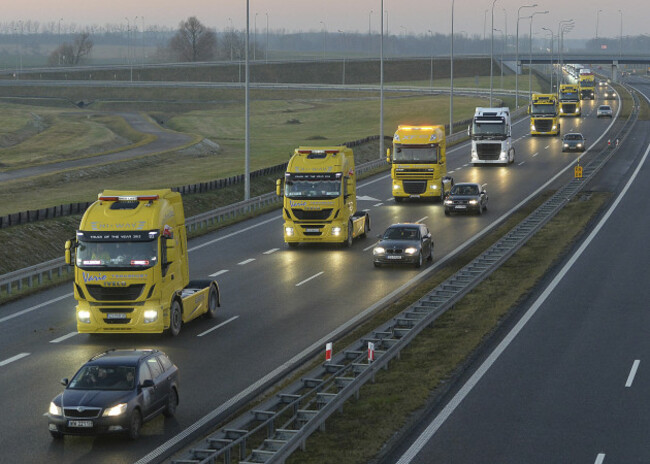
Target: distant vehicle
{"points": [[573, 141], [609, 95], [115, 392], [466, 197], [604, 111], [602, 83], [404, 243]]}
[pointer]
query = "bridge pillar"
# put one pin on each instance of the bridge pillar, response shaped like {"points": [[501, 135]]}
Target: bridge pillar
{"points": [[615, 71]]}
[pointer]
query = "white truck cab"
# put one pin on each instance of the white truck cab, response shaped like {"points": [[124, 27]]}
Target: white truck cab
{"points": [[491, 133]]}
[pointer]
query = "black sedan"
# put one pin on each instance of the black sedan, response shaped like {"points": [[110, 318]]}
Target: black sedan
{"points": [[573, 141], [115, 392], [466, 197], [404, 243]]}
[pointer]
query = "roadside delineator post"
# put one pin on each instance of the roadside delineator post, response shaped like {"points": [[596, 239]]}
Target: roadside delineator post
{"points": [[371, 352], [328, 352]]}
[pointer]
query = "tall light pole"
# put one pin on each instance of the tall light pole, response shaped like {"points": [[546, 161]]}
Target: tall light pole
{"points": [[501, 61], [484, 27], [517, 66], [547, 29], [266, 49], [560, 78], [60, 41], [530, 53], [255, 37], [597, 18], [565, 28], [431, 73], [620, 36], [324, 37], [451, 74], [370, 32], [382, 150], [232, 37], [505, 26], [491, 50], [344, 50], [247, 154]]}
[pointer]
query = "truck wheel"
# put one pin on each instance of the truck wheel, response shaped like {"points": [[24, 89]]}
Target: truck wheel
{"points": [[348, 241], [512, 159], [175, 318], [398, 199], [292, 244], [213, 302], [366, 226]]}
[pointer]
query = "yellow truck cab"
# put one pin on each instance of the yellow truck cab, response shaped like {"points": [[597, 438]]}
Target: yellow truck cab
{"points": [[587, 84], [320, 199], [569, 96], [419, 163], [543, 111], [131, 269]]}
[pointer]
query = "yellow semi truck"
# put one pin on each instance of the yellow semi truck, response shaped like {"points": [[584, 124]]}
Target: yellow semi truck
{"points": [[131, 267], [320, 199], [419, 163], [587, 84], [569, 96], [543, 111]]}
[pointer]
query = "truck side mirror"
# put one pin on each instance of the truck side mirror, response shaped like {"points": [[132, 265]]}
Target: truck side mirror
{"points": [[69, 253], [388, 155], [278, 187]]}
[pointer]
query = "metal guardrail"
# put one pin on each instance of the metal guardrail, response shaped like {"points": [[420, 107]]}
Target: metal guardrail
{"points": [[291, 416]]}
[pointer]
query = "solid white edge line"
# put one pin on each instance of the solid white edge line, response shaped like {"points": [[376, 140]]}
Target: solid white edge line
{"points": [[600, 458], [218, 273], [632, 374], [422, 219], [28, 310], [65, 337], [371, 246], [309, 278], [433, 427], [13, 358], [217, 326], [271, 251]]}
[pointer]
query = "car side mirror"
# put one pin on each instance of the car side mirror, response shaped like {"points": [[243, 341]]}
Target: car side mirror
{"points": [[147, 383], [64, 381]]}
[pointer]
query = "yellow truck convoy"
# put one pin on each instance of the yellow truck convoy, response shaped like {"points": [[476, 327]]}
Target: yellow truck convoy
{"points": [[569, 96], [587, 84], [543, 110], [131, 269], [419, 163], [320, 200]]}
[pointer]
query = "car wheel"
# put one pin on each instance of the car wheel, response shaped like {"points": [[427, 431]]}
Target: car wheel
{"points": [[175, 318], [56, 435], [485, 207], [480, 209], [430, 257], [376, 264], [172, 402], [447, 213], [419, 261], [135, 424], [213, 302]]}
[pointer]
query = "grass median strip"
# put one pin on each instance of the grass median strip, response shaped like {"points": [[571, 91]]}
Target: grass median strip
{"points": [[441, 351]]}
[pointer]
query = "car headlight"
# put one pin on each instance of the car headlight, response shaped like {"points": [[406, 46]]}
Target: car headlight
{"points": [[473, 202], [566, 145], [579, 145], [116, 410], [411, 250], [84, 316], [288, 231], [379, 251], [55, 410], [449, 202], [150, 315], [336, 231]]}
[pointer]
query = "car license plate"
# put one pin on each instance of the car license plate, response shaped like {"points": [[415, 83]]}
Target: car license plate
{"points": [[115, 316], [312, 230], [393, 257], [80, 423], [461, 207]]}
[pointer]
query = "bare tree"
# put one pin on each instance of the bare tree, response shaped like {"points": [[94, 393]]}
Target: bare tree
{"points": [[193, 41], [71, 54]]}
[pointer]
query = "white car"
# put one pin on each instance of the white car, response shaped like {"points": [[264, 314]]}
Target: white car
{"points": [[604, 111]]}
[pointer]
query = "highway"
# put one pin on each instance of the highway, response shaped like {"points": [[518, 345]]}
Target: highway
{"points": [[277, 303], [568, 381]]}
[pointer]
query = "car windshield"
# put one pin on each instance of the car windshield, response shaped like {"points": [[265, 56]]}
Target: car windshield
{"points": [[139, 255], [402, 233], [464, 190], [104, 378], [606, 108], [573, 137]]}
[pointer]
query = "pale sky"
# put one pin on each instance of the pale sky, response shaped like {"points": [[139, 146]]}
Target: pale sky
{"points": [[404, 16]]}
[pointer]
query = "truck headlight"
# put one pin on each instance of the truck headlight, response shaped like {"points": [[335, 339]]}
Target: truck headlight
{"points": [[411, 250], [395, 186], [84, 316], [434, 187], [532, 127], [379, 251], [288, 231], [55, 410], [336, 231], [116, 410], [554, 126], [150, 315]]}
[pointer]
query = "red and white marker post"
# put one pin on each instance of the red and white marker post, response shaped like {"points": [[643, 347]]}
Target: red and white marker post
{"points": [[371, 352], [328, 352]]}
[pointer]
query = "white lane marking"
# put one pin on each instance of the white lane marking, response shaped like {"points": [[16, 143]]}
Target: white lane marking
{"points": [[450, 172], [448, 410], [28, 310], [632, 374], [371, 246], [271, 251], [536, 153], [309, 278], [600, 458], [218, 273], [366, 197], [422, 219], [390, 199], [240, 231], [217, 326], [546, 147], [246, 261], [465, 165], [13, 358], [65, 337], [521, 163], [377, 204]]}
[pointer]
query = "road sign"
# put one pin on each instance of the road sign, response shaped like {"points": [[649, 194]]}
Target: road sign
{"points": [[577, 172]]}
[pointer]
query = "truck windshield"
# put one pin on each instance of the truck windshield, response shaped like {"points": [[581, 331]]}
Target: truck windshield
{"points": [[416, 153], [315, 189], [543, 109], [569, 96], [488, 128], [117, 255]]}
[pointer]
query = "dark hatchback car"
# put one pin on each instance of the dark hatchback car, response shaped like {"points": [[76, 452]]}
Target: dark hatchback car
{"points": [[115, 392], [466, 197], [404, 243], [573, 141]]}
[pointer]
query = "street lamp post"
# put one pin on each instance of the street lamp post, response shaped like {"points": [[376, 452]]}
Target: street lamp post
{"points": [[547, 29], [530, 53], [517, 66], [505, 26], [247, 147], [232, 37], [620, 37], [324, 37], [370, 32], [561, 24], [451, 74], [266, 49], [344, 51], [382, 150], [431, 73], [501, 60], [491, 50], [597, 18], [255, 37]]}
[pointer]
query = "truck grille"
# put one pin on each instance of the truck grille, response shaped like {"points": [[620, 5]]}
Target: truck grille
{"points": [[414, 174], [308, 215], [86, 413], [99, 293], [543, 125], [312, 230], [569, 108], [488, 151], [415, 187]]}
